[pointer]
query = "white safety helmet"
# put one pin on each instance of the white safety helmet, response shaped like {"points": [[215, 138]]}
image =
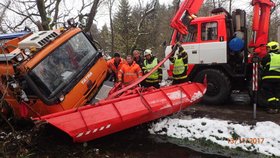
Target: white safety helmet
{"points": [[148, 52]]}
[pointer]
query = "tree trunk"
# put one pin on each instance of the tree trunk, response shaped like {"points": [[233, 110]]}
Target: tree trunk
{"points": [[230, 6], [219, 3], [214, 3], [2, 14], [43, 14], [91, 15], [55, 13], [111, 25]]}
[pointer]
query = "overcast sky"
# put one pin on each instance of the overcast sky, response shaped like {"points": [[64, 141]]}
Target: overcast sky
{"points": [[102, 16]]}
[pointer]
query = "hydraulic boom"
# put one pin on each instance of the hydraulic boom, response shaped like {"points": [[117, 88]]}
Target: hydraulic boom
{"points": [[260, 27], [186, 13]]}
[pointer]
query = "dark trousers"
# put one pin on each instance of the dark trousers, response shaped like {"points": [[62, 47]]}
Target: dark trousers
{"points": [[271, 92], [179, 81], [113, 77], [150, 84]]}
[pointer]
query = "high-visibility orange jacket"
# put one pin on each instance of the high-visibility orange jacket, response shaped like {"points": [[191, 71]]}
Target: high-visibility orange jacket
{"points": [[113, 66], [129, 73]]}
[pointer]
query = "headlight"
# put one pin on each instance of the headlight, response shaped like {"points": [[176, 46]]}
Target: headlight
{"points": [[19, 57], [27, 52], [61, 98]]}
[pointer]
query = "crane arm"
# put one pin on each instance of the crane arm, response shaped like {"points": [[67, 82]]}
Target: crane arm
{"points": [[186, 13], [260, 26]]}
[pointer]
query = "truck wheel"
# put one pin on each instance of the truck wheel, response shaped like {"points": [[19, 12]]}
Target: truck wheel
{"points": [[219, 86]]}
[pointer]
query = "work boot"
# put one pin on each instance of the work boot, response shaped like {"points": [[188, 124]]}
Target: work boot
{"points": [[272, 111]]}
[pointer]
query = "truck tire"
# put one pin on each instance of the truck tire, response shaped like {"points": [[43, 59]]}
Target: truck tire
{"points": [[219, 86]]}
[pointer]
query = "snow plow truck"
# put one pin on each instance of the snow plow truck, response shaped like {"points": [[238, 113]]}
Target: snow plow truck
{"points": [[48, 72]]}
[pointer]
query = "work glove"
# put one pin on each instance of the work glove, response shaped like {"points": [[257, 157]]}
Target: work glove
{"points": [[175, 47], [181, 49], [173, 50]]}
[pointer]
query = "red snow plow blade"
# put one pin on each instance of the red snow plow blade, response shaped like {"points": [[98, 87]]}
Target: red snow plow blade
{"points": [[110, 116]]}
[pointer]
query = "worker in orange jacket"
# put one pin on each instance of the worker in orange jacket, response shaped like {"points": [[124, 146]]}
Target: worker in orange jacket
{"points": [[114, 65], [129, 71]]}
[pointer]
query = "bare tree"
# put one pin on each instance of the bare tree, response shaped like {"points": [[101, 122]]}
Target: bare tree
{"points": [[277, 5], [223, 3], [149, 9], [43, 14], [274, 21], [87, 18], [46, 14], [214, 3], [2, 15], [56, 10], [84, 6], [230, 6], [92, 14], [110, 6], [37, 12]]}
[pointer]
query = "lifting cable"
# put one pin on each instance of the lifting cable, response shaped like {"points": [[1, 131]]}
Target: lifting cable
{"points": [[179, 113]]}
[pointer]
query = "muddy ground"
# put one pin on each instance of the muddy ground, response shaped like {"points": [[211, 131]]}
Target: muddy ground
{"points": [[29, 141], [238, 109]]}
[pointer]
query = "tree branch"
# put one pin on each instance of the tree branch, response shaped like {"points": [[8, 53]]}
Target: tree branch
{"points": [[149, 10], [3, 14], [22, 21]]}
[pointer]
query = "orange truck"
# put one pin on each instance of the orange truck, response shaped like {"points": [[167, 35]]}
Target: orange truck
{"points": [[49, 71]]}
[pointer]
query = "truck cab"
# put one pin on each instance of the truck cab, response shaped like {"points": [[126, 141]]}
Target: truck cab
{"points": [[216, 48], [50, 71], [206, 42]]}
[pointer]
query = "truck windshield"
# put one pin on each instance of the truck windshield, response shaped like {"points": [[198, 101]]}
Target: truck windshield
{"points": [[63, 64]]}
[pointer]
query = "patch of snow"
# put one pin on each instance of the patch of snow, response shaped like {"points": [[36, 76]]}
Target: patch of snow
{"points": [[266, 135], [165, 83], [176, 95], [196, 96]]}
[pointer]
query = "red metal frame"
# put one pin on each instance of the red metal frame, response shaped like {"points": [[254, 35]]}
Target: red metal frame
{"points": [[260, 26], [109, 116]]}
